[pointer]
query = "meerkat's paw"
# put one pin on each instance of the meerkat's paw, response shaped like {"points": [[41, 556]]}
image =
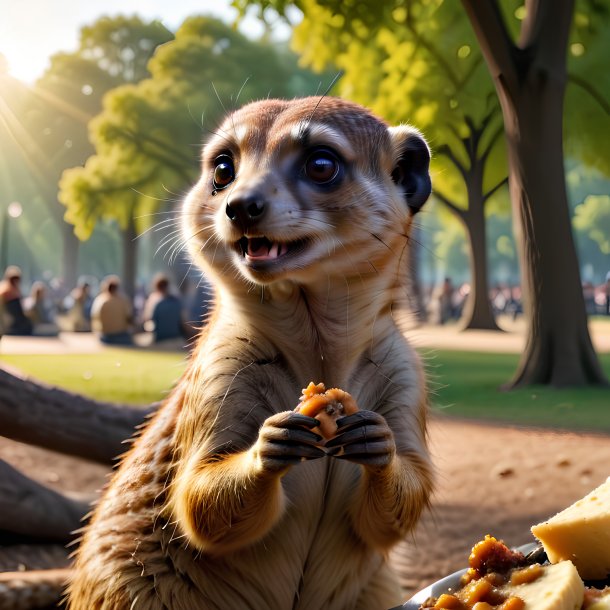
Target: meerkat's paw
{"points": [[363, 437], [285, 439]]}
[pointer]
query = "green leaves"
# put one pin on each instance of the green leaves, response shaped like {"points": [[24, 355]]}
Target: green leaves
{"points": [[592, 217]]}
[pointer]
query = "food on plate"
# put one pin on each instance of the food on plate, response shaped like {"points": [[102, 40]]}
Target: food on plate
{"points": [[499, 578], [575, 555], [596, 599], [326, 406], [581, 533]]}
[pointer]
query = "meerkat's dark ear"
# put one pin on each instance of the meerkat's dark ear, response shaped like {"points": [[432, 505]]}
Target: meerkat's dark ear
{"points": [[412, 165]]}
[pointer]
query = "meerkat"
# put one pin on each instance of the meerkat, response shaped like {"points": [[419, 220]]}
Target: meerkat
{"points": [[228, 499]]}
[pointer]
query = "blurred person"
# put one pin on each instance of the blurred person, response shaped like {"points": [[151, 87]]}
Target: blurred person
{"points": [[39, 309], [442, 302], [162, 312], [78, 307], [588, 293], [36, 306], [607, 310], [15, 322], [112, 313]]}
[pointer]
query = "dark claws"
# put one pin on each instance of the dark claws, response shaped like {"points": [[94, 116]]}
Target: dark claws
{"points": [[370, 433], [297, 419], [360, 418]]}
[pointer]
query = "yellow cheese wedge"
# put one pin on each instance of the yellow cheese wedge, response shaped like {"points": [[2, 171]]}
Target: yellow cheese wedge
{"points": [[559, 588], [581, 533], [603, 603]]}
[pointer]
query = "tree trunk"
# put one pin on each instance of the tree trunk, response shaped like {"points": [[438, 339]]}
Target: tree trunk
{"points": [[41, 589], [129, 259], [69, 267], [55, 419], [478, 313], [530, 79], [559, 351], [416, 297]]}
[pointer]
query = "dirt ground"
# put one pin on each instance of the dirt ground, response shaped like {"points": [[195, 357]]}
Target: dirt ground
{"points": [[492, 479]]}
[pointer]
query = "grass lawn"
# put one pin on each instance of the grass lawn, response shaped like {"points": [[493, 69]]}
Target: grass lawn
{"points": [[464, 384], [116, 375]]}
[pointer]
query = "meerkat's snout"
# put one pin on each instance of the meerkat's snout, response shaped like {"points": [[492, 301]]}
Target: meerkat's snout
{"points": [[246, 211]]}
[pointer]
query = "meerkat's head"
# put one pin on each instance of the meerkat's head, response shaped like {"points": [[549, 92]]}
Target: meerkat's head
{"points": [[302, 189]]}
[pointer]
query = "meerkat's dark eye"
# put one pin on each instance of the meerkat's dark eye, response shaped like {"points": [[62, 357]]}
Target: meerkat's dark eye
{"points": [[224, 171], [322, 166]]}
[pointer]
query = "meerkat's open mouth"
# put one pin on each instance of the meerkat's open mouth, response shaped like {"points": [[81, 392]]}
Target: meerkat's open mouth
{"points": [[261, 249]]}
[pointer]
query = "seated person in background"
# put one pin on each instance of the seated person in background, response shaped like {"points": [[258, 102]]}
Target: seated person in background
{"points": [[15, 321], [78, 306], [111, 314], [162, 313], [39, 310]]}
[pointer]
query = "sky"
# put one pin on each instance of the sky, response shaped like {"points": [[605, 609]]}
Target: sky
{"points": [[32, 30]]}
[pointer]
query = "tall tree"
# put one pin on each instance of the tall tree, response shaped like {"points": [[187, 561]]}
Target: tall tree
{"points": [[530, 75], [147, 137]]}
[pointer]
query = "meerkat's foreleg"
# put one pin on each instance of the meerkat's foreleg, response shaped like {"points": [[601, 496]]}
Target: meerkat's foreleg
{"points": [[394, 487], [228, 501]]}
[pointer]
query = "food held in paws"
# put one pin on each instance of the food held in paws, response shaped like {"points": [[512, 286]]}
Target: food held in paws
{"points": [[326, 406]]}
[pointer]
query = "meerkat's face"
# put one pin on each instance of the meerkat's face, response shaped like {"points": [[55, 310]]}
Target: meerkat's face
{"points": [[305, 188]]}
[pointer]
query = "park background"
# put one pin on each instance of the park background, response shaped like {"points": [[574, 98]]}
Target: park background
{"points": [[99, 143]]}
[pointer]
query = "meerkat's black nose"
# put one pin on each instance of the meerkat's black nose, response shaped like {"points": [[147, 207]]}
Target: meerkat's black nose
{"points": [[246, 210]]}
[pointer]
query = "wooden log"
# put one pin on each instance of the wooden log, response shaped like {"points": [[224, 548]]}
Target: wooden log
{"points": [[32, 589], [52, 418], [30, 509]]}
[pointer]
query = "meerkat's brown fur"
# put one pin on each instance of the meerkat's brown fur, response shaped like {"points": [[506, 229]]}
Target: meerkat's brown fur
{"points": [[226, 499]]}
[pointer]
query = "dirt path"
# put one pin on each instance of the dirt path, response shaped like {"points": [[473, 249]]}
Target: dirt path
{"points": [[500, 481]]}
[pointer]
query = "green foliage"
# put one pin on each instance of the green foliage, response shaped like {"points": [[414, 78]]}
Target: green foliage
{"points": [[147, 137], [592, 217]]}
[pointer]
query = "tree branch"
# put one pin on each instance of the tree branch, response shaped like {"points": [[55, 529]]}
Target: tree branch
{"points": [[494, 138], [552, 33], [496, 45], [35, 511], [459, 212], [55, 419], [591, 90], [445, 150], [498, 186]]}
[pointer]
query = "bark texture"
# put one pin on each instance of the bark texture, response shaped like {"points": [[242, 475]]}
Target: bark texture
{"points": [[55, 419], [530, 77], [34, 511]]}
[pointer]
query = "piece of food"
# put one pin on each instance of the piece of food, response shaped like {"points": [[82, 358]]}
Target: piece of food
{"points": [[597, 600], [326, 406], [499, 578], [557, 587], [581, 533]]}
